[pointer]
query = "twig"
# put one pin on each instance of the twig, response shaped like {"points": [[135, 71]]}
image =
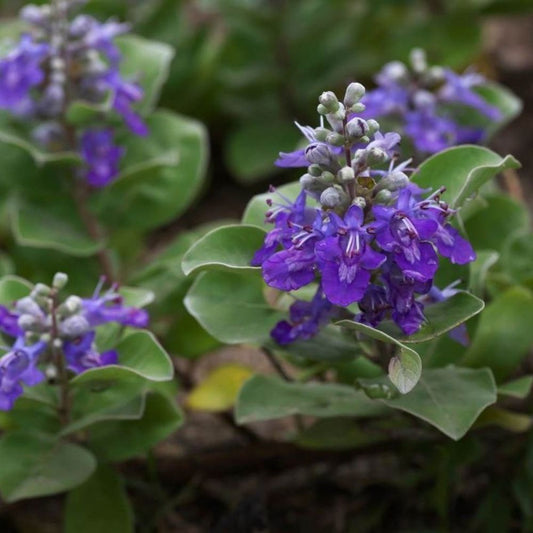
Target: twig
{"points": [[275, 363]]}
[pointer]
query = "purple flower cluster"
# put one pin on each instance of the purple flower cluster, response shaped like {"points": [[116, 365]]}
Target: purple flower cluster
{"points": [[372, 238], [424, 101], [67, 59], [43, 327]]}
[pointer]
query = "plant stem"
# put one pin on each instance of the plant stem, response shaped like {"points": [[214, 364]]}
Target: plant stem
{"points": [[59, 362], [80, 191], [275, 364]]}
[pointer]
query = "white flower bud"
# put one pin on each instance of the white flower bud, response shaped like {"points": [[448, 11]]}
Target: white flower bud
{"points": [[356, 128], [346, 174], [60, 280], [333, 197], [354, 92], [329, 100]]}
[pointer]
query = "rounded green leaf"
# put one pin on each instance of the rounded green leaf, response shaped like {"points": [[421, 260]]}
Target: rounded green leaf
{"points": [[269, 397], [449, 398], [405, 368], [149, 61], [100, 504], [120, 440], [462, 170], [38, 465], [13, 288], [226, 248], [139, 355], [56, 226], [517, 388], [504, 334], [231, 306], [161, 174]]}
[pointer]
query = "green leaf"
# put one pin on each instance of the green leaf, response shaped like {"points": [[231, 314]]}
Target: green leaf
{"points": [[226, 248], [136, 296], [504, 334], [91, 403], [269, 397], [254, 214], [100, 504], [489, 228], [405, 368], [140, 354], [121, 440], [502, 98], [161, 174], [38, 465], [517, 388], [332, 344], [57, 227], [441, 317], [14, 133], [149, 61], [219, 390], [449, 398], [462, 170], [479, 270], [517, 258], [231, 306], [13, 288], [252, 149]]}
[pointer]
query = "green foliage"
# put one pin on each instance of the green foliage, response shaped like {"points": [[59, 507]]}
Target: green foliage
{"points": [[268, 397], [40, 465], [100, 503]]}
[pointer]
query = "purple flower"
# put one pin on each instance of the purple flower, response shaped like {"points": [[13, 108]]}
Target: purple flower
{"points": [[100, 36], [101, 309], [305, 320], [286, 217], [346, 259], [374, 305], [82, 355], [459, 88], [20, 71], [9, 322], [125, 94], [401, 231], [101, 156], [18, 367]]}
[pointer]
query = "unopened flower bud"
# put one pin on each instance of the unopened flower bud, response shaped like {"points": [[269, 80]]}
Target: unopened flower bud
{"points": [[376, 156], [333, 197], [418, 60], [321, 134], [28, 306], [319, 154], [315, 170], [354, 92], [42, 290], [311, 183], [50, 372], [346, 174], [392, 73], [424, 99], [45, 337], [28, 322], [327, 177], [335, 139], [356, 128], [74, 326], [393, 182], [434, 76], [57, 343], [383, 197], [359, 201], [373, 126], [34, 15], [72, 304], [358, 108], [60, 280], [329, 100]]}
